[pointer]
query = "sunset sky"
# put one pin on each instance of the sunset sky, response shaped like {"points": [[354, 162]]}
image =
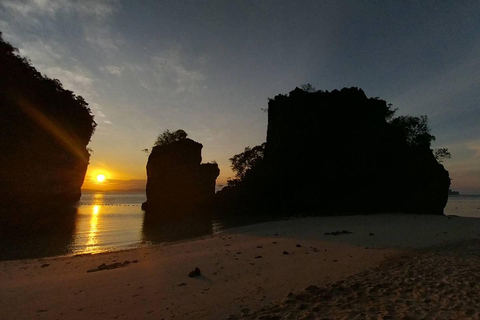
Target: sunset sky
{"points": [[209, 67]]}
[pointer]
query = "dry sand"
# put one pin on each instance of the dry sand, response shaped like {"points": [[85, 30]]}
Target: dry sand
{"points": [[245, 269], [443, 283]]}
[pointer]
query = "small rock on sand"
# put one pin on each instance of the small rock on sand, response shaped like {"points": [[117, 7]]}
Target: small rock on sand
{"points": [[195, 273]]}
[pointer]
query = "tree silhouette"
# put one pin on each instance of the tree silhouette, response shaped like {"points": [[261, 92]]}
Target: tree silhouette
{"points": [[442, 154], [308, 87], [246, 160], [416, 130], [168, 137]]}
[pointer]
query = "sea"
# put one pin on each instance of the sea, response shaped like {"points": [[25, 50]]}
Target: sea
{"points": [[111, 221]]}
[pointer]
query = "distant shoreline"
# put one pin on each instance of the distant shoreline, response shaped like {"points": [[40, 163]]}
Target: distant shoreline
{"points": [[143, 191], [113, 191]]}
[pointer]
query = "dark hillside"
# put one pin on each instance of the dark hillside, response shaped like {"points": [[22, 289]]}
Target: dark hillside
{"points": [[44, 134]]}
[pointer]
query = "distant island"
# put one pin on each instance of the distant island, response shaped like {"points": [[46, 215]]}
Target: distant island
{"points": [[453, 193]]}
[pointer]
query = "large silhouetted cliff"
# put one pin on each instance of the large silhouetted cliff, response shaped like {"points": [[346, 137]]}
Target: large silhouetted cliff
{"points": [[335, 152], [44, 131]]}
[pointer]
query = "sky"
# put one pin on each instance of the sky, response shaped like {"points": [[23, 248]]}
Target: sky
{"points": [[209, 67]]}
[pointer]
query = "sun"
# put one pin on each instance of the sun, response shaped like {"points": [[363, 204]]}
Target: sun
{"points": [[100, 178]]}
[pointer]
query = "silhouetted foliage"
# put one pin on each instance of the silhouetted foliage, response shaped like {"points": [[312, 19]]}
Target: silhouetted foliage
{"points": [[442, 154], [44, 131], [246, 160], [308, 87], [416, 130], [168, 137], [21, 83], [417, 134]]}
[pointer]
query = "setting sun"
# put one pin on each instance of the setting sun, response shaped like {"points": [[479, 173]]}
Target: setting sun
{"points": [[100, 178]]}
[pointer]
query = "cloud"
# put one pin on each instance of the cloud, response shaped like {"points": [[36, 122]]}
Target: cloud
{"points": [[27, 22], [115, 184], [51, 8], [43, 53], [101, 36], [100, 117], [115, 70], [167, 72], [72, 80], [90, 15], [48, 57], [170, 72]]}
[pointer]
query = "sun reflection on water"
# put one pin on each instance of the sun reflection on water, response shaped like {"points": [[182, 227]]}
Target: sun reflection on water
{"points": [[92, 240], [98, 198]]}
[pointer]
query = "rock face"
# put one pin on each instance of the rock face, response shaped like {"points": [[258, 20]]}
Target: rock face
{"points": [[334, 152], [44, 131], [176, 179]]}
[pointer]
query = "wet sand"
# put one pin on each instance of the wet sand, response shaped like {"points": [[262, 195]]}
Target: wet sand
{"points": [[264, 266]]}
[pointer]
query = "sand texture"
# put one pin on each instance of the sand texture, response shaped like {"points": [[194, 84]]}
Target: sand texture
{"points": [[440, 284]]}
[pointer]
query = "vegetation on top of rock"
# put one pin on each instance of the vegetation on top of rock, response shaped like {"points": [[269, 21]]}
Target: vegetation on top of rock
{"points": [[167, 137], [442, 154], [415, 130], [26, 92]]}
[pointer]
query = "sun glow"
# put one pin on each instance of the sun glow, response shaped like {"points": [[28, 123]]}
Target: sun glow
{"points": [[100, 178]]}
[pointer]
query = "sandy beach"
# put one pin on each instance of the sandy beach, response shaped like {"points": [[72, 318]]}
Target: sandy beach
{"points": [[441, 283], [378, 266]]}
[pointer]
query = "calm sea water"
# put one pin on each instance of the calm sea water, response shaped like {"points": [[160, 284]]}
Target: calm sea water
{"points": [[463, 206], [114, 221], [108, 221]]}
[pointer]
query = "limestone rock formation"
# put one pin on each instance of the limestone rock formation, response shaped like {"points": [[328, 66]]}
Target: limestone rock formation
{"points": [[334, 153], [176, 179], [44, 131]]}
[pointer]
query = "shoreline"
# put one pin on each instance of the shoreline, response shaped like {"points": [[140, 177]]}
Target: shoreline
{"points": [[243, 269]]}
